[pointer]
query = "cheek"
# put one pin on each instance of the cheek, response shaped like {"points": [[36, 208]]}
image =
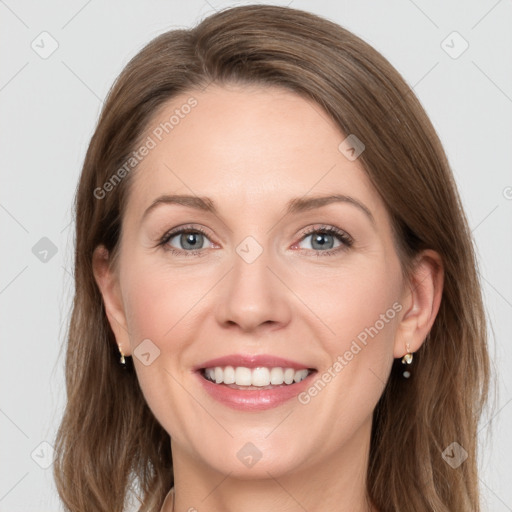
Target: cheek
{"points": [[158, 309], [157, 300], [357, 302], [361, 308], [161, 306]]}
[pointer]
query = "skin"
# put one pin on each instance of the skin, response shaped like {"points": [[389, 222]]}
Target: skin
{"points": [[251, 150]]}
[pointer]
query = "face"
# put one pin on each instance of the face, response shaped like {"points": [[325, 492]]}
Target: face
{"points": [[253, 250]]}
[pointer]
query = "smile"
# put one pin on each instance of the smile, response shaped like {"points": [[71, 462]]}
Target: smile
{"points": [[253, 382], [240, 377]]}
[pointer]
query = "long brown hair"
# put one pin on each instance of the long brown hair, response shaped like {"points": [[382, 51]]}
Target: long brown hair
{"points": [[109, 442]]}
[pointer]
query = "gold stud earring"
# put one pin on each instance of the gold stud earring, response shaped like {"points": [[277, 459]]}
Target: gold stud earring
{"points": [[407, 359]]}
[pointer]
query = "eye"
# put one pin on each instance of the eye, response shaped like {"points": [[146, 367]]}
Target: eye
{"points": [[185, 240], [325, 239]]}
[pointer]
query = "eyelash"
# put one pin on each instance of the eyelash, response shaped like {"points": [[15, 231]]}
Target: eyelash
{"points": [[345, 239]]}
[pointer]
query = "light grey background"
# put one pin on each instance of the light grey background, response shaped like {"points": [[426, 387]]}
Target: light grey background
{"points": [[49, 110]]}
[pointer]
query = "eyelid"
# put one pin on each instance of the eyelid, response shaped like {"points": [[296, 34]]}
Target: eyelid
{"points": [[181, 229], [327, 228], [345, 239]]}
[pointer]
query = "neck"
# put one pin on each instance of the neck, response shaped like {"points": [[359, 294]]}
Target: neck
{"points": [[337, 484]]}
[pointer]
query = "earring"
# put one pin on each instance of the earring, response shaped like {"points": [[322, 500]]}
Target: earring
{"points": [[407, 359], [122, 360]]}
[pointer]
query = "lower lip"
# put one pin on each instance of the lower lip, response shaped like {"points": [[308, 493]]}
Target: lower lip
{"points": [[254, 399]]}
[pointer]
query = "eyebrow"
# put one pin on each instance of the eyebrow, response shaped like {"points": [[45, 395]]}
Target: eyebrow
{"points": [[296, 205]]}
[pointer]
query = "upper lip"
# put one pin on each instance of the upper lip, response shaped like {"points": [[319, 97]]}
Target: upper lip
{"points": [[252, 361]]}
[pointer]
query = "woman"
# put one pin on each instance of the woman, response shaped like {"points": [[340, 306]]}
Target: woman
{"points": [[277, 304]]}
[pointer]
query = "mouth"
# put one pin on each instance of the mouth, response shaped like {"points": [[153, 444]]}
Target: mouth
{"points": [[259, 378], [253, 382]]}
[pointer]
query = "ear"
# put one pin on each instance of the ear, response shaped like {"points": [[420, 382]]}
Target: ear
{"points": [[107, 280], [421, 299]]}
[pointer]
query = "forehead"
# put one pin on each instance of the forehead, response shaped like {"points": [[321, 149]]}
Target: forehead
{"points": [[246, 146]]}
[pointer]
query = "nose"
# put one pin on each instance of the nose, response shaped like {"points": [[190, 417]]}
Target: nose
{"points": [[252, 296]]}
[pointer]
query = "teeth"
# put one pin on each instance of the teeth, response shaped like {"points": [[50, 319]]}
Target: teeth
{"points": [[243, 376], [276, 376], [259, 377], [229, 375]]}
